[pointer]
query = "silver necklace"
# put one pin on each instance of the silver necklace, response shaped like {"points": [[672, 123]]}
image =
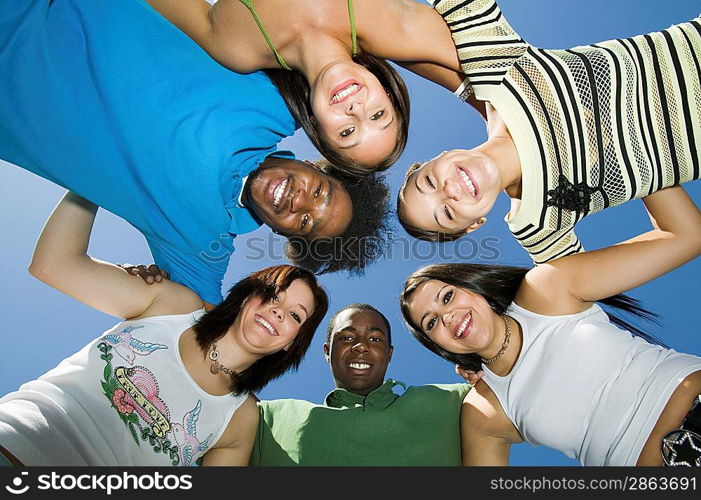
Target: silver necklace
{"points": [[216, 367], [504, 345]]}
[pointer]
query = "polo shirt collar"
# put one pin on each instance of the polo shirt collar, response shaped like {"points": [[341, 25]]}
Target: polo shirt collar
{"points": [[379, 399]]}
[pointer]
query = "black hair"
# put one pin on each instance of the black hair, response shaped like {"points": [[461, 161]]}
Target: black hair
{"points": [[498, 285], [361, 243], [357, 306], [265, 283], [294, 88]]}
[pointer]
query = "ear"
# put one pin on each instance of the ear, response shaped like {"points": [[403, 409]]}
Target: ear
{"points": [[327, 351], [476, 225], [287, 347], [391, 351]]}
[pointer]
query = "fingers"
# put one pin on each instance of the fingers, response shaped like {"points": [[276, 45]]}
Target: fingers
{"points": [[150, 274], [154, 272], [471, 376]]}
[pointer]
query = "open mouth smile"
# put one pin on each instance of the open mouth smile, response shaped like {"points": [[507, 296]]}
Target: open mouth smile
{"points": [[462, 329], [278, 191], [344, 91], [359, 366], [467, 183], [262, 322]]}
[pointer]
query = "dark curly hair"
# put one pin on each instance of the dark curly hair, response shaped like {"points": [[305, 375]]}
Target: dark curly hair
{"points": [[294, 88], [362, 242], [265, 283]]}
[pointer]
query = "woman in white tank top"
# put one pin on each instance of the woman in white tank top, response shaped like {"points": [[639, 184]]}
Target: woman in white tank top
{"points": [[557, 371], [173, 382]]}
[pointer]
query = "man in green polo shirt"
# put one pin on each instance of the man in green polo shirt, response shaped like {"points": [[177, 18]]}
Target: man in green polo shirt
{"points": [[365, 420]]}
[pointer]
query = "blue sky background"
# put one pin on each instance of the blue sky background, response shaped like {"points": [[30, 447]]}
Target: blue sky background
{"points": [[39, 326]]}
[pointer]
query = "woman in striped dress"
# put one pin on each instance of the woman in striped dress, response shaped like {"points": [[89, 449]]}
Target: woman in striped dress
{"points": [[570, 132]]}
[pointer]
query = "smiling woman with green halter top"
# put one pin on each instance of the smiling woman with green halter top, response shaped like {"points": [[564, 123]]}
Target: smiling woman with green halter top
{"points": [[351, 103]]}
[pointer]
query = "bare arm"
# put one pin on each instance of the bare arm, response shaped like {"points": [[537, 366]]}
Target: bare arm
{"points": [[583, 278], [60, 260], [406, 30], [236, 444], [486, 434]]}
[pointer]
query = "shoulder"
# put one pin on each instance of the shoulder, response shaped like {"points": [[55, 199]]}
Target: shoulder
{"points": [[285, 407], [442, 391], [242, 424], [546, 289], [482, 412], [172, 298]]}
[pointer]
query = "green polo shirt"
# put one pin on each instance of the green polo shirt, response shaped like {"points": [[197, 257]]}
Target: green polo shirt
{"points": [[420, 426]]}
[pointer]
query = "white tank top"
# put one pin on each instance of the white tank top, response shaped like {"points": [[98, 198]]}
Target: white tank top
{"points": [[124, 399], [587, 388]]}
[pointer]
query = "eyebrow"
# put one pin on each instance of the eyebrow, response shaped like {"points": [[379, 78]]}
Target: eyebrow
{"points": [[435, 299], [348, 146], [305, 309], [388, 123]]}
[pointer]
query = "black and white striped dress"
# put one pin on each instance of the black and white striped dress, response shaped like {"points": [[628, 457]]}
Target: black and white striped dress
{"points": [[594, 126]]}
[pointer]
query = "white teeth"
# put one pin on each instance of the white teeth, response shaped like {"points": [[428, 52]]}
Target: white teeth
{"points": [[340, 95], [359, 366], [468, 181], [461, 330], [267, 325], [277, 194]]}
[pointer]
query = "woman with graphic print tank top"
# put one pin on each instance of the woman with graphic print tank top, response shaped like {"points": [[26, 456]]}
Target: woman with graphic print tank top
{"points": [[173, 382]]}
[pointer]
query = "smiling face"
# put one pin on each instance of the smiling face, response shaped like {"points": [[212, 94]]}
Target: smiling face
{"points": [[359, 351], [266, 327], [354, 112], [458, 320], [296, 199], [452, 192]]}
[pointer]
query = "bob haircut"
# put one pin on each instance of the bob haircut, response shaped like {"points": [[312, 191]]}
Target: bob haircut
{"points": [[265, 284], [294, 88], [498, 285], [417, 232]]}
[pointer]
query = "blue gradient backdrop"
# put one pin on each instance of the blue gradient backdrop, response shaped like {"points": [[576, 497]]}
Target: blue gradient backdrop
{"points": [[39, 326]]}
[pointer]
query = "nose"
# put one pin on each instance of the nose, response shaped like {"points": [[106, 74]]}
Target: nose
{"points": [[452, 190], [447, 318], [360, 346], [354, 105], [300, 201], [277, 312]]}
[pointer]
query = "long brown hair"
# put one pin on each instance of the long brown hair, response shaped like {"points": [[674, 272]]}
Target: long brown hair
{"points": [[295, 90], [498, 285], [265, 283]]}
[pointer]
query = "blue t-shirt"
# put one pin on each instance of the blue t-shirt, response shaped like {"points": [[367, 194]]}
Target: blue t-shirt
{"points": [[110, 100]]}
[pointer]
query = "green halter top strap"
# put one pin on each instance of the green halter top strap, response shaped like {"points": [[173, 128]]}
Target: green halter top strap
{"points": [[280, 60], [354, 36]]}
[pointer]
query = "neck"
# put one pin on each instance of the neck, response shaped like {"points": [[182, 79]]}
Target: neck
{"points": [[230, 354], [314, 52], [503, 365], [502, 150]]}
